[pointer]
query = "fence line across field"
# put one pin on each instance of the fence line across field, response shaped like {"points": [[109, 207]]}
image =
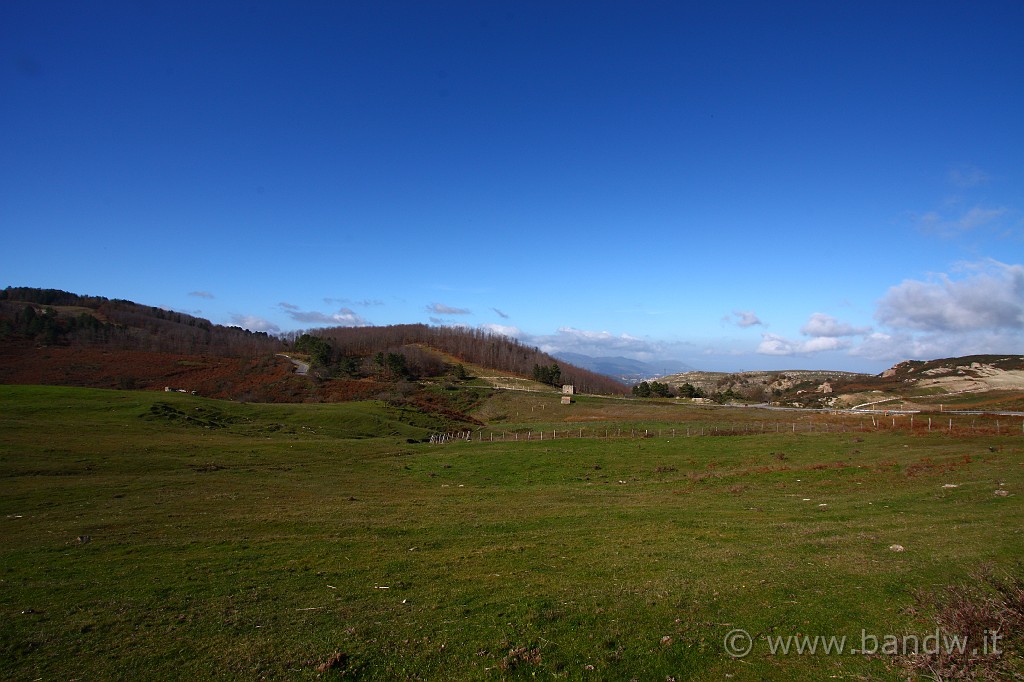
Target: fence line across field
{"points": [[920, 424]]}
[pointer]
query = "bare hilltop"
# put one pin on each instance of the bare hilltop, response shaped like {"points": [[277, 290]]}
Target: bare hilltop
{"points": [[970, 382]]}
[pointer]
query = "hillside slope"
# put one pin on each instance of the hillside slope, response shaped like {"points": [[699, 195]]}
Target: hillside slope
{"points": [[761, 386], [51, 317], [497, 353], [976, 381], [49, 336]]}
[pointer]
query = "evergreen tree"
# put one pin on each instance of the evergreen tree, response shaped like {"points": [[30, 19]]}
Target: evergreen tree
{"points": [[642, 390]]}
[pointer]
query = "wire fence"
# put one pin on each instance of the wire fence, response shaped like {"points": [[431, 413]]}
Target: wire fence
{"points": [[911, 424]]}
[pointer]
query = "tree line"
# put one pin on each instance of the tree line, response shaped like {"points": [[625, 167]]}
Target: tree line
{"points": [[354, 350], [393, 352], [548, 375], [656, 389], [52, 317]]}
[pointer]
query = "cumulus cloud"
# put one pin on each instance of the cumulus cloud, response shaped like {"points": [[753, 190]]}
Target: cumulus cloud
{"points": [[824, 332], [979, 309], [596, 343], [442, 309], [744, 318], [773, 344], [897, 346], [254, 323], [504, 330], [201, 294], [343, 317], [821, 324], [990, 297]]}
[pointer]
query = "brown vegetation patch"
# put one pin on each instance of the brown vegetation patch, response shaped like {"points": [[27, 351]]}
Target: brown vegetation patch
{"points": [[519, 656], [833, 465], [926, 467], [336, 661], [262, 379], [986, 614], [767, 469], [343, 390]]}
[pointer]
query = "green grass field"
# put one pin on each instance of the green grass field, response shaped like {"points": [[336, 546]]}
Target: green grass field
{"points": [[163, 536]]}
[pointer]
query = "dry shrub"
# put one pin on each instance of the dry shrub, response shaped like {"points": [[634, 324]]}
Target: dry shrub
{"points": [[925, 466], [972, 612], [518, 656], [820, 466], [344, 390], [336, 661], [765, 470]]}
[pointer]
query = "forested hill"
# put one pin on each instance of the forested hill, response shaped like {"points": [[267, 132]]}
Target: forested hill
{"points": [[338, 347], [45, 318], [51, 317]]}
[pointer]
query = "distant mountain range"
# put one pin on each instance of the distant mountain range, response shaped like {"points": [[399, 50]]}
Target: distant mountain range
{"points": [[623, 369]]}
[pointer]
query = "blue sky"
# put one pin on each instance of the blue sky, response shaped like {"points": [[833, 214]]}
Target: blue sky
{"points": [[731, 185]]}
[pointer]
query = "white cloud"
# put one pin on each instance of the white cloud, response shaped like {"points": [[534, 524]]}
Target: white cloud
{"points": [[977, 310], [254, 323], [819, 344], [598, 344], [745, 318], [821, 324], [992, 298], [773, 344], [201, 294], [900, 345], [825, 333], [504, 330], [344, 317], [442, 309]]}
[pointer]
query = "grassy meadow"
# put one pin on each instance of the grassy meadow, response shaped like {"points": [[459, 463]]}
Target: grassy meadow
{"points": [[165, 536]]}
